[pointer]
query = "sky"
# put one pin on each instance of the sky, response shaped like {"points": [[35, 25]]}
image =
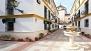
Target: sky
{"points": [[66, 3]]}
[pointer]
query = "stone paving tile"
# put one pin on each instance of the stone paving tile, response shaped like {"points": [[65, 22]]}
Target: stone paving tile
{"points": [[52, 42], [7, 45], [59, 39], [19, 48]]}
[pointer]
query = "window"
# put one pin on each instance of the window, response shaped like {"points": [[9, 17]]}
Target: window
{"points": [[10, 21], [86, 22], [10, 26], [45, 12], [10, 9], [49, 27], [56, 20], [79, 14], [86, 7], [75, 23], [45, 16], [52, 25], [45, 26], [49, 14], [78, 23], [72, 24]]}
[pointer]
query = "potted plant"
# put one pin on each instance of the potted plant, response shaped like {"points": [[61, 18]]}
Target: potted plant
{"points": [[6, 37], [20, 39], [29, 39], [12, 38], [49, 32], [82, 33], [36, 38], [41, 35], [88, 35]]}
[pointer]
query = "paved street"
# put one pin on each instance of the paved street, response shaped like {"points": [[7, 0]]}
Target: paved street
{"points": [[51, 42]]}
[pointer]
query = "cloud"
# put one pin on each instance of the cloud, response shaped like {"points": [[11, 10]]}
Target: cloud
{"points": [[66, 3]]}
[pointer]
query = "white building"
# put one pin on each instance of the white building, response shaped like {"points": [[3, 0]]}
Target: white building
{"points": [[27, 19], [81, 15], [62, 11]]}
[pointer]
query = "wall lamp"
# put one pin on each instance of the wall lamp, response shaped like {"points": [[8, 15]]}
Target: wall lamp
{"points": [[15, 4]]}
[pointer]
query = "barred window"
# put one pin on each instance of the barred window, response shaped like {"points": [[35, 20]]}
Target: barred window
{"points": [[86, 22]]}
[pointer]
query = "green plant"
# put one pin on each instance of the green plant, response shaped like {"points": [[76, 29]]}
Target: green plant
{"points": [[36, 38], [49, 31], [41, 35], [12, 38], [20, 39], [28, 39], [0, 36], [6, 36], [88, 35]]}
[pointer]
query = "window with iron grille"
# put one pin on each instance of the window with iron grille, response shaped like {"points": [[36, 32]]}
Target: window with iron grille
{"points": [[78, 23], [49, 14], [52, 25], [79, 14], [45, 12], [72, 24], [75, 23], [45, 16], [86, 7], [86, 22], [10, 11]]}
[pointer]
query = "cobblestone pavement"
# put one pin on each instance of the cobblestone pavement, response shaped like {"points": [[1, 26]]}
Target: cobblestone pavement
{"points": [[51, 42]]}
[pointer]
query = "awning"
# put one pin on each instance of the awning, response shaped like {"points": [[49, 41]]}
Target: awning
{"points": [[8, 20]]}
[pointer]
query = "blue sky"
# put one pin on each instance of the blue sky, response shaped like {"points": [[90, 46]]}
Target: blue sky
{"points": [[66, 3]]}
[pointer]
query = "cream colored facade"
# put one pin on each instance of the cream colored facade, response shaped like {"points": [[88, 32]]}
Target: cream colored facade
{"points": [[81, 15], [67, 18], [62, 15], [31, 22]]}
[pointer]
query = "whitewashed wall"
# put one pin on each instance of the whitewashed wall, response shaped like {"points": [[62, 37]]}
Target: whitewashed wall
{"points": [[39, 10], [87, 30], [24, 25], [26, 5], [21, 24], [62, 15], [2, 12], [2, 7], [38, 25], [2, 26], [89, 6]]}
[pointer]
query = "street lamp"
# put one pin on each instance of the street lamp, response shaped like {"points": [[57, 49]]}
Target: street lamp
{"points": [[15, 4]]}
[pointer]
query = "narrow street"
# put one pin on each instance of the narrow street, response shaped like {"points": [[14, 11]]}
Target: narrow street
{"points": [[51, 42]]}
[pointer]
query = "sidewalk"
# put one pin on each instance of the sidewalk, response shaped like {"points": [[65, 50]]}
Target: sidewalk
{"points": [[51, 42]]}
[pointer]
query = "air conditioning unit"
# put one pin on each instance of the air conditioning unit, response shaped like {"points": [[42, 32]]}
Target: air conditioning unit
{"points": [[83, 13]]}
